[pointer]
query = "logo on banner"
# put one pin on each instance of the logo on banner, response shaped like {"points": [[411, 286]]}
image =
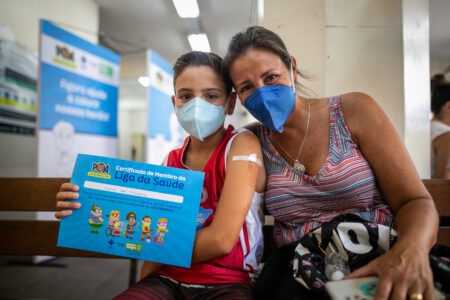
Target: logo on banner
{"points": [[64, 56], [105, 70]]}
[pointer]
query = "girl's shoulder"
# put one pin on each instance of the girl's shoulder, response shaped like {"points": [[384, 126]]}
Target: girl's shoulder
{"points": [[244, 139]]}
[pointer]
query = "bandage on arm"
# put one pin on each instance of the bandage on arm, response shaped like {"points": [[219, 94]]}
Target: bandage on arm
{"points": [[251, 157]]}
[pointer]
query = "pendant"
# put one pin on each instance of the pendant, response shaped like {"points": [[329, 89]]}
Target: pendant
{"points": [[299, 166]]}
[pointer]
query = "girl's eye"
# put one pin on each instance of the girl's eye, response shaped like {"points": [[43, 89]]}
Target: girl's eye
{"points": [[185, 97], [211, 97]]}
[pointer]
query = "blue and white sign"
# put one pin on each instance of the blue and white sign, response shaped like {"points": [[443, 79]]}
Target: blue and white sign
{"points": [[78, 100], [134, 209], [164, 131]]}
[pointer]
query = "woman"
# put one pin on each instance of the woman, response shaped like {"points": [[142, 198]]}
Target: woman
{"points": [[440, 132], [325, 157], [228, 245]]}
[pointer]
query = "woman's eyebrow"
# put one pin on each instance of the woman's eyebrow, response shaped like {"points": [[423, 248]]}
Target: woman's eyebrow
{"points": [[264, 74], [270, 71], [245, 82]]}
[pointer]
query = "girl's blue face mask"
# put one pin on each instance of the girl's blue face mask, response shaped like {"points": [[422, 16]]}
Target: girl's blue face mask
{"points": [[272, 105], [200, 118]]}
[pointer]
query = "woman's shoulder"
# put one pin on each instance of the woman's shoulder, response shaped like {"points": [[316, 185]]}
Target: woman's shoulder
{"points": [[351, 98], [357, 98], [359, 104]]}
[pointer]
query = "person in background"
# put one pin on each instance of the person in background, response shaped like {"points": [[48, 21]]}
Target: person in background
{"points": [[325, 157], [437, 80], [440, 132], [228, 244]]}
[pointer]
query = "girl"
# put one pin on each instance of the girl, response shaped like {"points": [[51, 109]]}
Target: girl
{"points": [[228, 246]]}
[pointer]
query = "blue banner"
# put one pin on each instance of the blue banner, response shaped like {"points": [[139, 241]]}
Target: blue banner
{"points": [[164, 132], [90, 106], [78, 83], [78, 100]]}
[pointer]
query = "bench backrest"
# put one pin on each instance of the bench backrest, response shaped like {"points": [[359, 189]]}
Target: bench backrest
{"points": [[32, 236], [39, 237], [440, 192]]}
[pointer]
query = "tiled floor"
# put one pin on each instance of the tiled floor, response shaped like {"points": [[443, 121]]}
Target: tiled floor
{"points": [[64, 278]]}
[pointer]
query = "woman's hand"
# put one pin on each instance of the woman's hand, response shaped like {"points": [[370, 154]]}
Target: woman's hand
{"points": [[67, 191], [402, 271]]}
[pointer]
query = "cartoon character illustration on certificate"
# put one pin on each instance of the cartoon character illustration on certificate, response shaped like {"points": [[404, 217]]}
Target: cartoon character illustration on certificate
{"points": [[114, 223], [95, 218], [116, 228], [114, 215], [146, 222], [131, 224], [161, 231]]}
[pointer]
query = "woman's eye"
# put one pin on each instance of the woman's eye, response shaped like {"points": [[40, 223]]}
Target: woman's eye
{"points": [[244, 89], [271, 78]]}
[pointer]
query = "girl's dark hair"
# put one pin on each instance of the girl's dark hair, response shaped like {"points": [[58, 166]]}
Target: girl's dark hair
{"points": [[441, 95], [257, 37], [199, 58]]}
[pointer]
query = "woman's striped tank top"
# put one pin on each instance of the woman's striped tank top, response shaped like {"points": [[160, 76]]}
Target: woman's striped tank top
{"points": [[344, 184]]}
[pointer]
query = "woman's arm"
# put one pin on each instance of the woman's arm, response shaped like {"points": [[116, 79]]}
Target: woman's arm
{"points": [[405, 268], [241, 180]]}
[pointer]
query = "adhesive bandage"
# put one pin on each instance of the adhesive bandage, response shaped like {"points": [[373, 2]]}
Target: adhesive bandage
{"points": [[251, 157]]}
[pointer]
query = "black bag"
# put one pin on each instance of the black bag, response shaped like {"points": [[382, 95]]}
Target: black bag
{"points": [[348, 242], [440, 265]]}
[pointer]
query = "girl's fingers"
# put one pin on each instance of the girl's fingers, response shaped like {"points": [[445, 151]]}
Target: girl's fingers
{"points": [[63, 213], [61, 196], [67, 205], [67, 186], [67, 191]]}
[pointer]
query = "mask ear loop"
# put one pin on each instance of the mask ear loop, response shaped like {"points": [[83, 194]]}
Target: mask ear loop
{"points": [[175, 108], [292, 79], [225, 107]]}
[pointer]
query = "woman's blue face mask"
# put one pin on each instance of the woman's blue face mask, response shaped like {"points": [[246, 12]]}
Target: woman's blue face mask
{"points": [[272, 105]]}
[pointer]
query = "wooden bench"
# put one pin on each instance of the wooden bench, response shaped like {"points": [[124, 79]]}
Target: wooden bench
{"points": [[439, 190], [37, 237]]}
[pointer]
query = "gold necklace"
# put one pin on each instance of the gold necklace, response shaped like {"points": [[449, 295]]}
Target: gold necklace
{"points": [[297, 165]]}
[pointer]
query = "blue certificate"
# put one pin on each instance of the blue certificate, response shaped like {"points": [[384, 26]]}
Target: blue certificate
{"points": [[133, 209]]}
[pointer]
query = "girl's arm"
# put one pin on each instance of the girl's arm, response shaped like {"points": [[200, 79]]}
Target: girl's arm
{"points": [[149, 267], [241, 180]]}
